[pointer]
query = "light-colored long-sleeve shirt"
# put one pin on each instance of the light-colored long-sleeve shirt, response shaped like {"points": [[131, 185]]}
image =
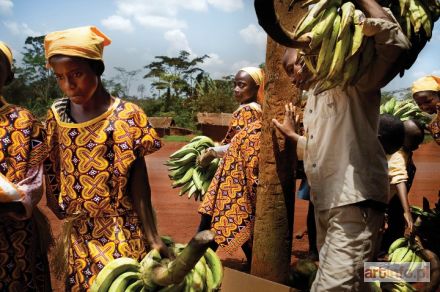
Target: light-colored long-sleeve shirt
{"points": [[343, 159], [397, 171]]}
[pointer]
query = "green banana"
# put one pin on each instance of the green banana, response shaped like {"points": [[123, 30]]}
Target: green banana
{"points": [[400, 242], [112, 270], [350, 69], [182, 152], [323, 28], [188, 158], [188, 175], [123, 280], [135, 286], [340, 53], [348, 9], [215, 265], [358, 35], [197, 179], [197, 281], [186, 187], [327, 49]]}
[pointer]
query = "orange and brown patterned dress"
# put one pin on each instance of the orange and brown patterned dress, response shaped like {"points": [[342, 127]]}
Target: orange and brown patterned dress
{"points": [[231, 196], [90, 171], [243, 116], [23, 259], [434, 126]]}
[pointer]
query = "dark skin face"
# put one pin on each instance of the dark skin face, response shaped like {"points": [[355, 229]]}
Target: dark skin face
{"points": [[427, 100], [296, 70], [245, 88], [77, 80]]}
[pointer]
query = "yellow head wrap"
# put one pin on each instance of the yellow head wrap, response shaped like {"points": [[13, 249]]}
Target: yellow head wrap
{"points": [[258, 75], [86, 42], [7, 51], [431, 83]]}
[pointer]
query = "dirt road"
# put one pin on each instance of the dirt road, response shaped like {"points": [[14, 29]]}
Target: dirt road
{"points": [[178, 217]]}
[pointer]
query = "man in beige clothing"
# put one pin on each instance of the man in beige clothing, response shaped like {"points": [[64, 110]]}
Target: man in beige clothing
{"points": [[344, 161]]}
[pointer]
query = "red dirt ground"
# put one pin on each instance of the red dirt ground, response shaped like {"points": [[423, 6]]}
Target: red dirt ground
{"points": [[178, 217]]}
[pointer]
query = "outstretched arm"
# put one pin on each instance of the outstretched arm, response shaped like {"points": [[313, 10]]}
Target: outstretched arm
{"points": [[140, 190], [403, 197]]}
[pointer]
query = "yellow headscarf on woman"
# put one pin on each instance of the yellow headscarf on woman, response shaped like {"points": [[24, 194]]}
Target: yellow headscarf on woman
{"points": [[7, 51], [427, 83], [257, 75], [86, 42]]}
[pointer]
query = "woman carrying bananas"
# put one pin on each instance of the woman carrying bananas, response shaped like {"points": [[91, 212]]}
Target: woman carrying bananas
{"points": [[24, 231], [228, 206], [246, 81], [426, 93], [97, 177]]}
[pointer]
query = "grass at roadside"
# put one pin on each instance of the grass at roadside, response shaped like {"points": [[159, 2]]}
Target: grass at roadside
{"points": [[175, 138]]}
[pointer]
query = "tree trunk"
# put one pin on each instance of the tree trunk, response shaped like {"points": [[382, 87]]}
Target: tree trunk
{"points": [[276, 190]]}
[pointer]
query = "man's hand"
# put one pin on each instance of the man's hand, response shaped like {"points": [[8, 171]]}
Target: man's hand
{"points": [[409, 221], [205, 158], [289, 127]]}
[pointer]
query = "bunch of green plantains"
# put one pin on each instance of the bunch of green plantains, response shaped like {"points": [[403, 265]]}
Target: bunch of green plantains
{"points": [[186, 173], [195, 268], [333, 43], [404, 110]]}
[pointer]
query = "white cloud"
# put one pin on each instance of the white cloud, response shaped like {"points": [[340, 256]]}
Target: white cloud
{"points": [[6, 6], [213, 60], [254, 35], [177, 40], [240, 64], [227, 5], [149, 21], [117, 22], [21, 29]]}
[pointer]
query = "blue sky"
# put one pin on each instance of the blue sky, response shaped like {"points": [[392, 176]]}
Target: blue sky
{"points": [[226, 30]]}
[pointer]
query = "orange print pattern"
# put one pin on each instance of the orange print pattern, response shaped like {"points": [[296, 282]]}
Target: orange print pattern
{"points": [[23, 266], [231, 197], [93, 183]]}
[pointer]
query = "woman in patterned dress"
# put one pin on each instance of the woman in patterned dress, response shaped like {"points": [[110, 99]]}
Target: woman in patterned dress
{"points": [[228, 206], [98, 178], [24, 231]]}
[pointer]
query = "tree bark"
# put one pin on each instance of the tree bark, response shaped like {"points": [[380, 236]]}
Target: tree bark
{"points": [[276, 190]]}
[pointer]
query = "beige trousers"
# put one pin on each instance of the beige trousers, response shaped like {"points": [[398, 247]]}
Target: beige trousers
{"points": [[347, 236]]}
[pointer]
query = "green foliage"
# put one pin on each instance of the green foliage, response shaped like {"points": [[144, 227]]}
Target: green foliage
{"points": [[173, 138], [34, 87], [181, 87]]}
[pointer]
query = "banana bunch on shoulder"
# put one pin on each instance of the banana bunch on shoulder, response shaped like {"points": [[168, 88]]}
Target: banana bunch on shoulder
{"points": [[338, 53], [404, 110], [186, 174]]}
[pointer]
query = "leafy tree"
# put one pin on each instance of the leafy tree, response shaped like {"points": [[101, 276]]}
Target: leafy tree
{"points": [[35, 86], [126, 77], [174, 77]]}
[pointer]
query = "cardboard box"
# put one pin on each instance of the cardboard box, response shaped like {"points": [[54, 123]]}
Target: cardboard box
{"points": [[236, 281]]}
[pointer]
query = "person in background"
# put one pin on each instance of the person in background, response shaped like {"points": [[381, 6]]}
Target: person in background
{"points": [[249, 92], [97, 178], [426, 93], [25, 235], [228, 207], [401, 172], [344, 162], [249, 110]]}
